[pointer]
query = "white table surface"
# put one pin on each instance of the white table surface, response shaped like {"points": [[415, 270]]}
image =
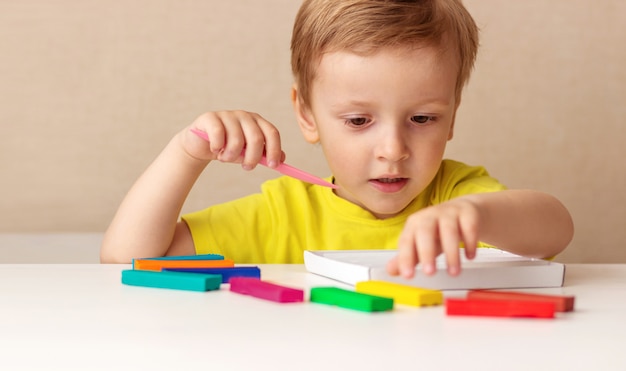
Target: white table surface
{"points": [[80, 317]]}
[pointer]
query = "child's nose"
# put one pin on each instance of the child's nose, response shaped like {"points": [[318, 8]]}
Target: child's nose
{"points": [[393, 146]]}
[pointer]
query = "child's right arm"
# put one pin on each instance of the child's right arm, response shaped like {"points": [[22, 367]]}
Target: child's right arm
{"points": [[146, 223]]}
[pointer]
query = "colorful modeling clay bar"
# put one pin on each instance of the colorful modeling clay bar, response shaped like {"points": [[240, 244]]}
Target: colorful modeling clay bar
{"points": [[401, 294], [172, 280], [350, 299], [189, 257], [226, 272], [509, 304], [561, 303], [265, 290], [159, 264]]}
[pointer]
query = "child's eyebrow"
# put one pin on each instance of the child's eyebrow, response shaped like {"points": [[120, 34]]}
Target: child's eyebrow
{"points": [[434, 103], [437, 104], [352, 103], [442, 100]]}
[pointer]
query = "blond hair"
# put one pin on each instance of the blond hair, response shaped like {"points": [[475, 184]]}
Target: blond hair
{"points": [[364, 26]]}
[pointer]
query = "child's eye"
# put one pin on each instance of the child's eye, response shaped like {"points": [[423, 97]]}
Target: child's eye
{"points": [[357, 121], [422, 119]]}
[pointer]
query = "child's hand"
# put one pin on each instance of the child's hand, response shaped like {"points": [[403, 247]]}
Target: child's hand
{"points": [[230, 132], [437, 229]]}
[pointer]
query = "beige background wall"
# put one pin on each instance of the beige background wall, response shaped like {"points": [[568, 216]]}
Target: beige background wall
{"points": [[90, 91]]}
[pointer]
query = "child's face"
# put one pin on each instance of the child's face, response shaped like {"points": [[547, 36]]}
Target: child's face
{"points": [[383, 122]]}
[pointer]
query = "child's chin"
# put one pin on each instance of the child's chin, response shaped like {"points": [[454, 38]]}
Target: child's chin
{"points": [[385, 212]]}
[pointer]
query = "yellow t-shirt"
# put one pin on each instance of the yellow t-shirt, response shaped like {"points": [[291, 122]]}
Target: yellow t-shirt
{"points": [[290, 216]]}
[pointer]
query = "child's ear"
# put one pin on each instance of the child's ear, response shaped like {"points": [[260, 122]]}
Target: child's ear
{"points": [[451, 132], [304, 117]]}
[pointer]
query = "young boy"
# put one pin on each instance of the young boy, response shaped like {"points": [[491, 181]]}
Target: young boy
{"points": [[377, 85]]}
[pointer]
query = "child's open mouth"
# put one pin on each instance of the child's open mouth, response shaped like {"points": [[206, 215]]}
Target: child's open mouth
{"points": [[390, 180], [389, 185]]}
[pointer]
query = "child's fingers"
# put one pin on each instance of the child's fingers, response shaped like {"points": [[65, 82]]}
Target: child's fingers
{"points": [[428, 244], [208, 139], [211, 124], [254, 140], [392, 266], [232, 122], [468, 225], [262, 138], [239, 136], [407, 258], [449, 235], [273, 148]]}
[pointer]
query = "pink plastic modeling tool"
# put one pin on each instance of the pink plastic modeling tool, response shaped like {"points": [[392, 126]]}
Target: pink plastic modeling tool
{"points": [[283, 168]]}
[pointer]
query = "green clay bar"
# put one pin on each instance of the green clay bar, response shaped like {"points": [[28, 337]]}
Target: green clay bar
{"points": [[350, 299]]}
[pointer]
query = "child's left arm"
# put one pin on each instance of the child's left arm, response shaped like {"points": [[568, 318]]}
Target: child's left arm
{"points": [[523, 222]]}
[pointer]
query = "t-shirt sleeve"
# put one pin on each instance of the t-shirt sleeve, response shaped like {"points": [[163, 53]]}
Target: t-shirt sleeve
{"points": [[457, 179]]}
